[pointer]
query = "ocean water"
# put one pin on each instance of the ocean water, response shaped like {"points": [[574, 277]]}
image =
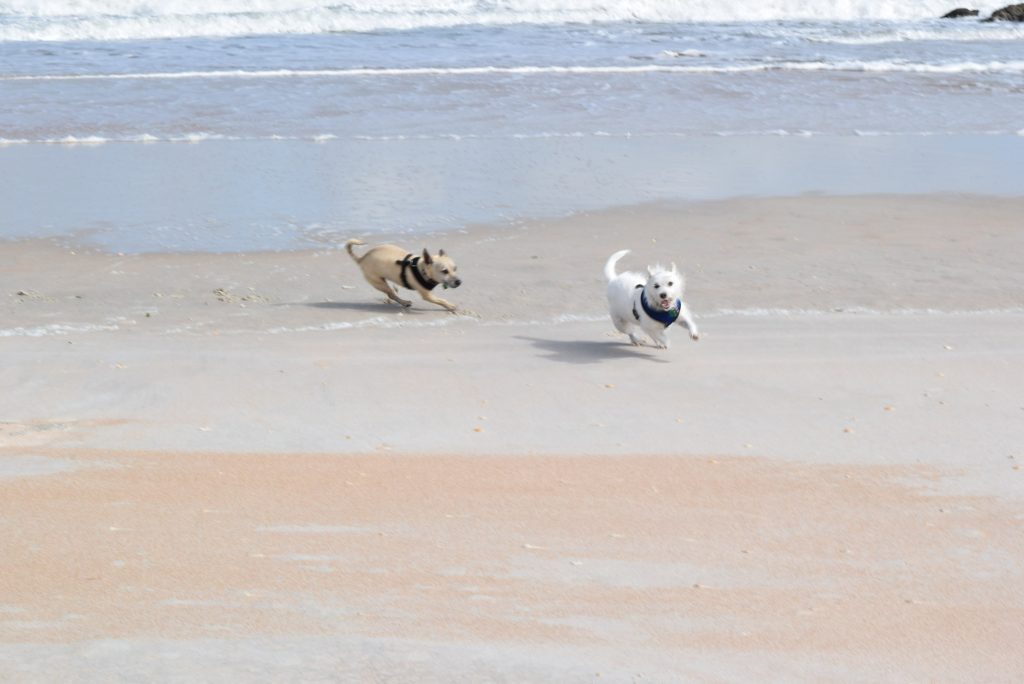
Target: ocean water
{"points": [[308, 118]]}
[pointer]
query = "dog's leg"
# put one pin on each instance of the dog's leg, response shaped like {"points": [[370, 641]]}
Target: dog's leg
{"points": [[628, 328], [434, 299], [383, 286], [660, 338], [686, 320], [635, 333]]}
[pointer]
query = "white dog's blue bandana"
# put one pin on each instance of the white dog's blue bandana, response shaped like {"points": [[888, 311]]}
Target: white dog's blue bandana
{"points": [[664, 316]]}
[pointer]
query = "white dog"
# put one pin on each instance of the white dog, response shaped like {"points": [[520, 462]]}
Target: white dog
{"points": [[421, 273], [650, 304]]}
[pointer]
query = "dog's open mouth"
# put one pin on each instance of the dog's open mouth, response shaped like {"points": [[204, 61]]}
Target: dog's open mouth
{"points": [[666, 304]]}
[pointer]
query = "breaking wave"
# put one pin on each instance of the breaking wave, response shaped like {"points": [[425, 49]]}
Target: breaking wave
{"points": [[67, 20], [872, 66]]}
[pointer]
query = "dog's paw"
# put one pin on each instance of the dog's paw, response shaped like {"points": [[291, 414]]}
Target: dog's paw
{"points": [[694, 336]]}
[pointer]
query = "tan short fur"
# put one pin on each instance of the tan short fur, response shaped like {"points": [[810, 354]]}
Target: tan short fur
{"points": [[383, 263]]}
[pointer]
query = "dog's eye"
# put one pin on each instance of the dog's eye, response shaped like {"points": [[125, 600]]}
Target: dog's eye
{"points": [[656, 287], [445, 271], [669, 284]]}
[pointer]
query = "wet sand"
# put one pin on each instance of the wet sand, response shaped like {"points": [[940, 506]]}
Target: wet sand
{"points": [[248, 467]]}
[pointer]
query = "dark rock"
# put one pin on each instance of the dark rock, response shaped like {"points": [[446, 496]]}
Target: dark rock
{"points": [[1008, 13], [960, 12]]}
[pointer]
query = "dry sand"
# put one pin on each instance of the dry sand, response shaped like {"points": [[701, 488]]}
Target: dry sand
{"points": [[247, 467], [654, 567]]}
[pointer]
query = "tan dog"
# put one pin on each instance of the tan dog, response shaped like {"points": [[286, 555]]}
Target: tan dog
{"points": [[421, 273]]}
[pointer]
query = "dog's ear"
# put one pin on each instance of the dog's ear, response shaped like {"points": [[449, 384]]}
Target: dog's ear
{"points": [[426, 257], [440, 252], [650, 272], [674, 269]]}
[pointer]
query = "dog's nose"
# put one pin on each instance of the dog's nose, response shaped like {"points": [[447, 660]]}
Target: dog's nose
{"points": [[664, 295], [456, 283]]}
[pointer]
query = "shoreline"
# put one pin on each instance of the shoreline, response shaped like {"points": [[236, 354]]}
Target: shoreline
{"points": [[790, 255]]}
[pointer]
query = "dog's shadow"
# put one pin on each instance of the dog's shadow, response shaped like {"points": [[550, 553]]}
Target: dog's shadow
{"points": [[590, 351], [367, 307]]}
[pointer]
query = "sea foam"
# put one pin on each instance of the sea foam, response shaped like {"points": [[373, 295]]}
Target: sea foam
{"points": [[57, 329], [66, 20], [868, 66]]}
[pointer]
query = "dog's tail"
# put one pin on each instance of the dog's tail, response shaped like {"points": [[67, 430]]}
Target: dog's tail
{"points": [[609, 267], [348, 248]]}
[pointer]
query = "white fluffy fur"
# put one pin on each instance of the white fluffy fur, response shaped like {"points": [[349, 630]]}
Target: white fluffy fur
{"points": [[662, 287]]}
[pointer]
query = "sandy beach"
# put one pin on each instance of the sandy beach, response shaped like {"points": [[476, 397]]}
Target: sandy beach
{"points": [[224, 457], [249, 467]]}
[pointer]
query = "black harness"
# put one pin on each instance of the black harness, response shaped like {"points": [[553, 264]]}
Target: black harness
{"points": [[411, 263], [636, 314]]}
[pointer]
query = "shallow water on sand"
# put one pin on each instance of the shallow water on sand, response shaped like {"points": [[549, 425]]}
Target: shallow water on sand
{"points": [[272, 195]]}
